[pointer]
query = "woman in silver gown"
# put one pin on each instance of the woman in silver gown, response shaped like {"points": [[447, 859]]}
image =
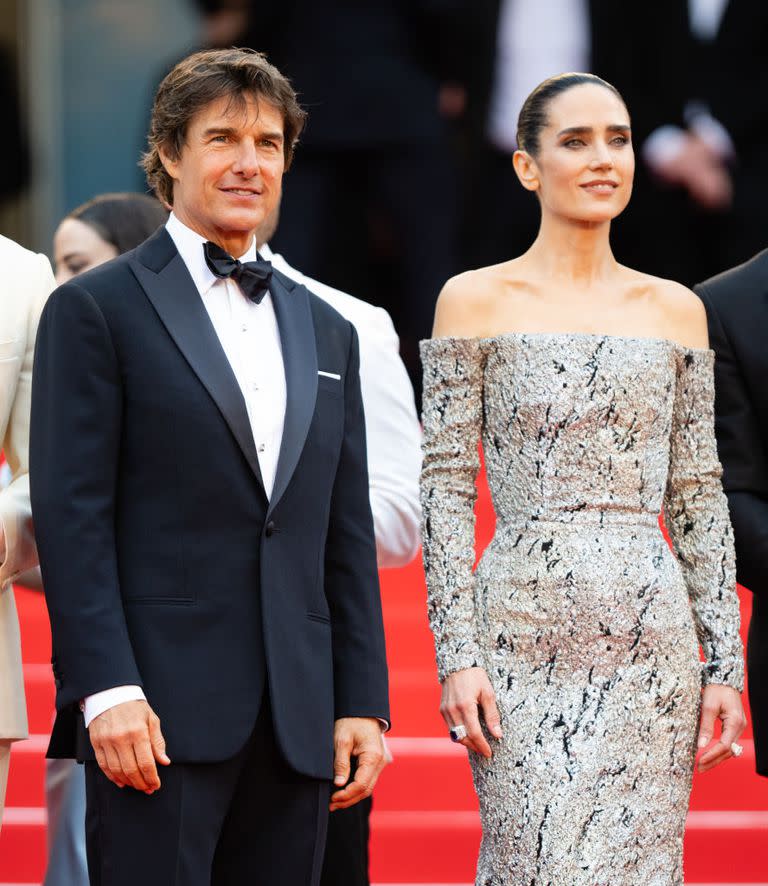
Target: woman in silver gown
{"points": [[570, 657]]}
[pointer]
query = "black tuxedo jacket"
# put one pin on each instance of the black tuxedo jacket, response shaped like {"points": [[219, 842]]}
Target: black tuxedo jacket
{"points": [[737, 310], [164, 564]]}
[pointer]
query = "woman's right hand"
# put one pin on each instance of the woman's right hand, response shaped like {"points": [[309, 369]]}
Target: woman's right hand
{"points": [[466, 694]]}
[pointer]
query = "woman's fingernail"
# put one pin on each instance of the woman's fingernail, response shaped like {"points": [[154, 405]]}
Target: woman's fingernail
{"points": [[703, 741]]}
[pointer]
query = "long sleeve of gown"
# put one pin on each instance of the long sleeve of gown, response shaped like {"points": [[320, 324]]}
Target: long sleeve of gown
{"points": [[452, 418], [696, 514]]}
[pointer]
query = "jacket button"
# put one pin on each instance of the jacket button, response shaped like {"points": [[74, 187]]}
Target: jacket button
{"points": [[270, 529]]}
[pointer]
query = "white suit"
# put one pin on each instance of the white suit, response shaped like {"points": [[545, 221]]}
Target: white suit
{"points": [[27, 281]]}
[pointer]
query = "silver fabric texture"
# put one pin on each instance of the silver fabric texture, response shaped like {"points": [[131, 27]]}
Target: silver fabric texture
{"points": [[587, 624]]}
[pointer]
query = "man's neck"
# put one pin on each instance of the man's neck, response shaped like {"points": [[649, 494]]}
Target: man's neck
{"points": [[236, 243]]}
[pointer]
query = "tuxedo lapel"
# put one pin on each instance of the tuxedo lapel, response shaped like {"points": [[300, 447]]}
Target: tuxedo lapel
{"points": [[297, 338], [168, 285]]}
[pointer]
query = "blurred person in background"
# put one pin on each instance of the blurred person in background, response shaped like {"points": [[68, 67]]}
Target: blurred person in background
{"points": [[520, 42], [377, 185], [393, 436], [737, 311], [27, 282], [14, 154], [734, 89], [93, 233]]}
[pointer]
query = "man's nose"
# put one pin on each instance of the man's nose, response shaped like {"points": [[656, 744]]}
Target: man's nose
{"points": [[247, 160]]}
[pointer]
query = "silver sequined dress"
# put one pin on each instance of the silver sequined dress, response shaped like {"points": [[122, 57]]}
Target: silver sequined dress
{"points": [[587, 624]]}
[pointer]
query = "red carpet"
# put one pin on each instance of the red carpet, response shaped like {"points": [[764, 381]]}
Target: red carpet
{"points": [[425, 827]]}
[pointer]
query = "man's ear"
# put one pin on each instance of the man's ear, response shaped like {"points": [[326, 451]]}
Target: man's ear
{"points": [[170, 161], [526, 169]]}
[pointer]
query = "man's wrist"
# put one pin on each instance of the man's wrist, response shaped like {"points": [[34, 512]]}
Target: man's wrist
{"points": [[94, 705]]}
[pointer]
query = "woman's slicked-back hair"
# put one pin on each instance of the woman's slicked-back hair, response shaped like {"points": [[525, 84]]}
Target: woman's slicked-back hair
{"points": [[125, 220], [202, 78], [533, 115]]}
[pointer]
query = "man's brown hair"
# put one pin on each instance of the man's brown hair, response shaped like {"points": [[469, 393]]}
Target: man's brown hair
{"points": [[200, 79]]}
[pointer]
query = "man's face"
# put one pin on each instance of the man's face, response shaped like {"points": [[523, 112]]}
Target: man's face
{"points": [[228, 176]]}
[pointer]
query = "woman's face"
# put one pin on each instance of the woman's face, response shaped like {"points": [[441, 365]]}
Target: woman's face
{"points": [[77, 248], [585, 165]]}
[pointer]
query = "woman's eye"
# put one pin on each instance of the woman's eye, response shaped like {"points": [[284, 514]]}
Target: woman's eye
{"points": [[573, 143]]}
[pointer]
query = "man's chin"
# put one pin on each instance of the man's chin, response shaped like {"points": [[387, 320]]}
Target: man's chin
{"points": [[239, 223]]}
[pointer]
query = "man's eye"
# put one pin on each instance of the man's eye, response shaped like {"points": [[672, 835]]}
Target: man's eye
{"points": [[620, 140], [573, 143]]}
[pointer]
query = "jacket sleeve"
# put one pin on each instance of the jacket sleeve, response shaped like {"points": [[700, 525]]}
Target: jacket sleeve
{"points": [[743, 455], [696, 514], [452, 418], [74, 455]]}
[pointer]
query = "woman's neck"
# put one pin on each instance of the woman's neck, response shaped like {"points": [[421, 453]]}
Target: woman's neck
{"points": [[575, 253]]}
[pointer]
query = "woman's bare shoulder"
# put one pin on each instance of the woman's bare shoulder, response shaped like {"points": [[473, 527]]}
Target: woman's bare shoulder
{"points": [[466, 303], [681, 311]]}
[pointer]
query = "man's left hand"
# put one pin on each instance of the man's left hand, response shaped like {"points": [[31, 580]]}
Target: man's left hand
{"points": [[356, 737]]}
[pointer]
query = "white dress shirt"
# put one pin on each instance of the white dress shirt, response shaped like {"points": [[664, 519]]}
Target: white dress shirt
{"points": [[392, 426], [705, 17], [535, 39], [250, 338]]}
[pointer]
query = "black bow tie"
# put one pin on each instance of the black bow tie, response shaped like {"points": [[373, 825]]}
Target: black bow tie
{"points": [[252, 277]]}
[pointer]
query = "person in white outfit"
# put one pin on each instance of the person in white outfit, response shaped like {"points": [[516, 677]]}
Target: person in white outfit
{"points": [[27, 283]]}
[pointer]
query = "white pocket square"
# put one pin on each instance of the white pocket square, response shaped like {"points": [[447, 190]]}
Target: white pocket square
{"points": [[329, 374]]}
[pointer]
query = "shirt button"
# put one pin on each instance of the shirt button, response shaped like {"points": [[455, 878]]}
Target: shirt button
{"points": [[262, 447], [254, 386], [244, 327]]}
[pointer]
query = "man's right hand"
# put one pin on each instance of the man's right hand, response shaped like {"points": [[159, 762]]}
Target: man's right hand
{"points": [[128, 744]]}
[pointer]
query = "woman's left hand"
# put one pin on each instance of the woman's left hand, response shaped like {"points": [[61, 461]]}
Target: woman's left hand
{"points": [[723, 703]]}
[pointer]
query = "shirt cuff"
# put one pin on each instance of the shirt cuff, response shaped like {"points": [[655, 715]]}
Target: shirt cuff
{"points": [[710, 130], [663, 145], [96, 704]]}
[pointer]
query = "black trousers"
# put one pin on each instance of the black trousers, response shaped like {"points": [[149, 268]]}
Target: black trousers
{"points": [[247, 821], [346, 852]]}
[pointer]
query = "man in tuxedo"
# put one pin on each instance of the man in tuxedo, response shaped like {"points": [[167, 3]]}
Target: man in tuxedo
{"points": [[27, 282], [737, 312], [201, 499]]}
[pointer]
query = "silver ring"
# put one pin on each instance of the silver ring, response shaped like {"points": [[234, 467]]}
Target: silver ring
{"points": [[458, 732], [737, 750]]}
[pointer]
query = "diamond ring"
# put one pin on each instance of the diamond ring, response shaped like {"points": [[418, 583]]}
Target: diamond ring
{"points": [[737, 750], [458, 732]]}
